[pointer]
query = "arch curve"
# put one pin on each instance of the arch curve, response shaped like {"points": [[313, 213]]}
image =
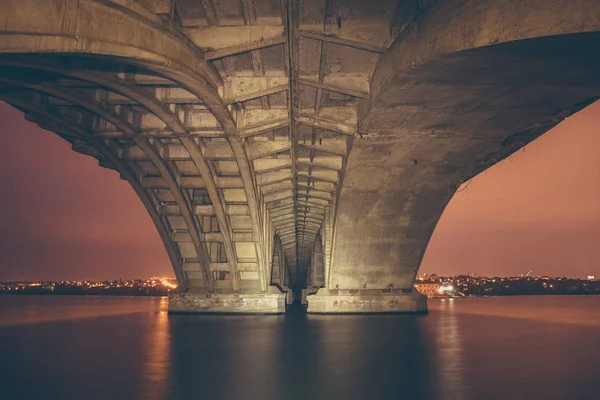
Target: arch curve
{"points": [[130, 35], [446, 103]]}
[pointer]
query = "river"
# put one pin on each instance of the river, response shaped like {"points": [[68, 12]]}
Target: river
{"points": [[71, 347]]}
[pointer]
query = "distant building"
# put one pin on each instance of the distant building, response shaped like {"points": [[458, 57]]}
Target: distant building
{"points": [[427, 288]]}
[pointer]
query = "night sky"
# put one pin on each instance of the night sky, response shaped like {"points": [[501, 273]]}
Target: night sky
{"points": [[63, 217]]}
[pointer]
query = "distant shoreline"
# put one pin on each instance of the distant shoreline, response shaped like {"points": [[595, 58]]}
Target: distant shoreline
{"points": [[166, 294], [470, 285], [515, 295], [12, 293]]}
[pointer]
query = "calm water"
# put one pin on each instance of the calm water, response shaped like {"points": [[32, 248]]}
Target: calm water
{"points": [[129, 348]]}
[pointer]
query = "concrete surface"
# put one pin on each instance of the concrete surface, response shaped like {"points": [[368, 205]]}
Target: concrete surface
{"points": [[227, 303], [298, 143], [344, 301]]}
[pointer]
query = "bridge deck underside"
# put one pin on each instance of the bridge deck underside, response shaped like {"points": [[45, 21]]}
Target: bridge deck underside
{"points": [[264, 155], [251, 129]]}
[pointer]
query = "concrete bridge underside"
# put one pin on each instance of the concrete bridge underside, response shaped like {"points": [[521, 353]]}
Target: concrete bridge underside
{"points": [[310, 144]]}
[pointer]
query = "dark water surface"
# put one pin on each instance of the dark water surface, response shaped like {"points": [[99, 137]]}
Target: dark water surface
{"points": [[54, 347]]}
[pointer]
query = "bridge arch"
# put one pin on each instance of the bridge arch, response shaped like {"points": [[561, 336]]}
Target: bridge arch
{"points": [[384, 114], [70, 36], [452, 97]]}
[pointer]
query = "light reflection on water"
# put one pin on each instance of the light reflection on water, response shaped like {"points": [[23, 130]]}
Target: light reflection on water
{"points": [[158, 355], [130, 348], [451, 366]]}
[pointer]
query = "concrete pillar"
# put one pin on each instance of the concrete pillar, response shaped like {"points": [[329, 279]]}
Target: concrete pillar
{"points": [[271, 302], [317, 267], [307, 292], [289, 297], [366, 301]]}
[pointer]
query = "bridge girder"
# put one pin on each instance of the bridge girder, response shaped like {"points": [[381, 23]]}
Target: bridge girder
{"points": [[285, 123]]}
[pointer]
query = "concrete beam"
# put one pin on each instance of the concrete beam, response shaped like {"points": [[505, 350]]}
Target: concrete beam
{"points": [[266, 149], [263, 127], [326, 124], [334, 88], [245, 47], [237, 89], [332, 38]]}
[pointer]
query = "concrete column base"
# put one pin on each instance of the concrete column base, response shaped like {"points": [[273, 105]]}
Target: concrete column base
{"points": [[307, 292], [227, 303], [368, 301], [289, 296]]}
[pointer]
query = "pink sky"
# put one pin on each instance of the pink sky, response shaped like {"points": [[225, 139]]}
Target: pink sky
{"points": [[537, 210], [63, 217]]}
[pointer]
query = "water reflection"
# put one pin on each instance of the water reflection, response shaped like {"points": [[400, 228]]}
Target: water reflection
{"points": [[536, 309], [158, 355], [299, 372], [298, 357], [31, 309], [451, 367], [224, 357], [375, 357], [449, 354], [76, 357]]}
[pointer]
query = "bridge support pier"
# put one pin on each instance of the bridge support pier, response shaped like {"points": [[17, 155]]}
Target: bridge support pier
{"points": [[271, 302], [289, 297], [366, 301], [307, 292]]}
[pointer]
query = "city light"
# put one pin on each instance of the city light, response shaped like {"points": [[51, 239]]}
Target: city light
{"points": [[475, 285], [447, 288], [155, 286], [432, 286], [168, 284]]}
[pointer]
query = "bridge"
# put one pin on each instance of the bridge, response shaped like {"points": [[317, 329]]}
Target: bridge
{"points": [[298, 146]]}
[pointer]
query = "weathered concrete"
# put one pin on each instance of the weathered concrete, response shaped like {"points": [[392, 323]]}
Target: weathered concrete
{"points": [[227, 303], [365, 301], [298, 143], [316, 272], [451, 97], [307, 292], [289, 297]]}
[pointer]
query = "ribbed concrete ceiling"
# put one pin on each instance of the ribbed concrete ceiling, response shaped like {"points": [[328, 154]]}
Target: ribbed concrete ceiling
{"points": [[290, 75], [294, 72]]}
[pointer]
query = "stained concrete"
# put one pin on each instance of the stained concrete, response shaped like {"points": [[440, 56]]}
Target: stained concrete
{"points": [[227, 303], [452, 97], [365, 301], [298, 143]]}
